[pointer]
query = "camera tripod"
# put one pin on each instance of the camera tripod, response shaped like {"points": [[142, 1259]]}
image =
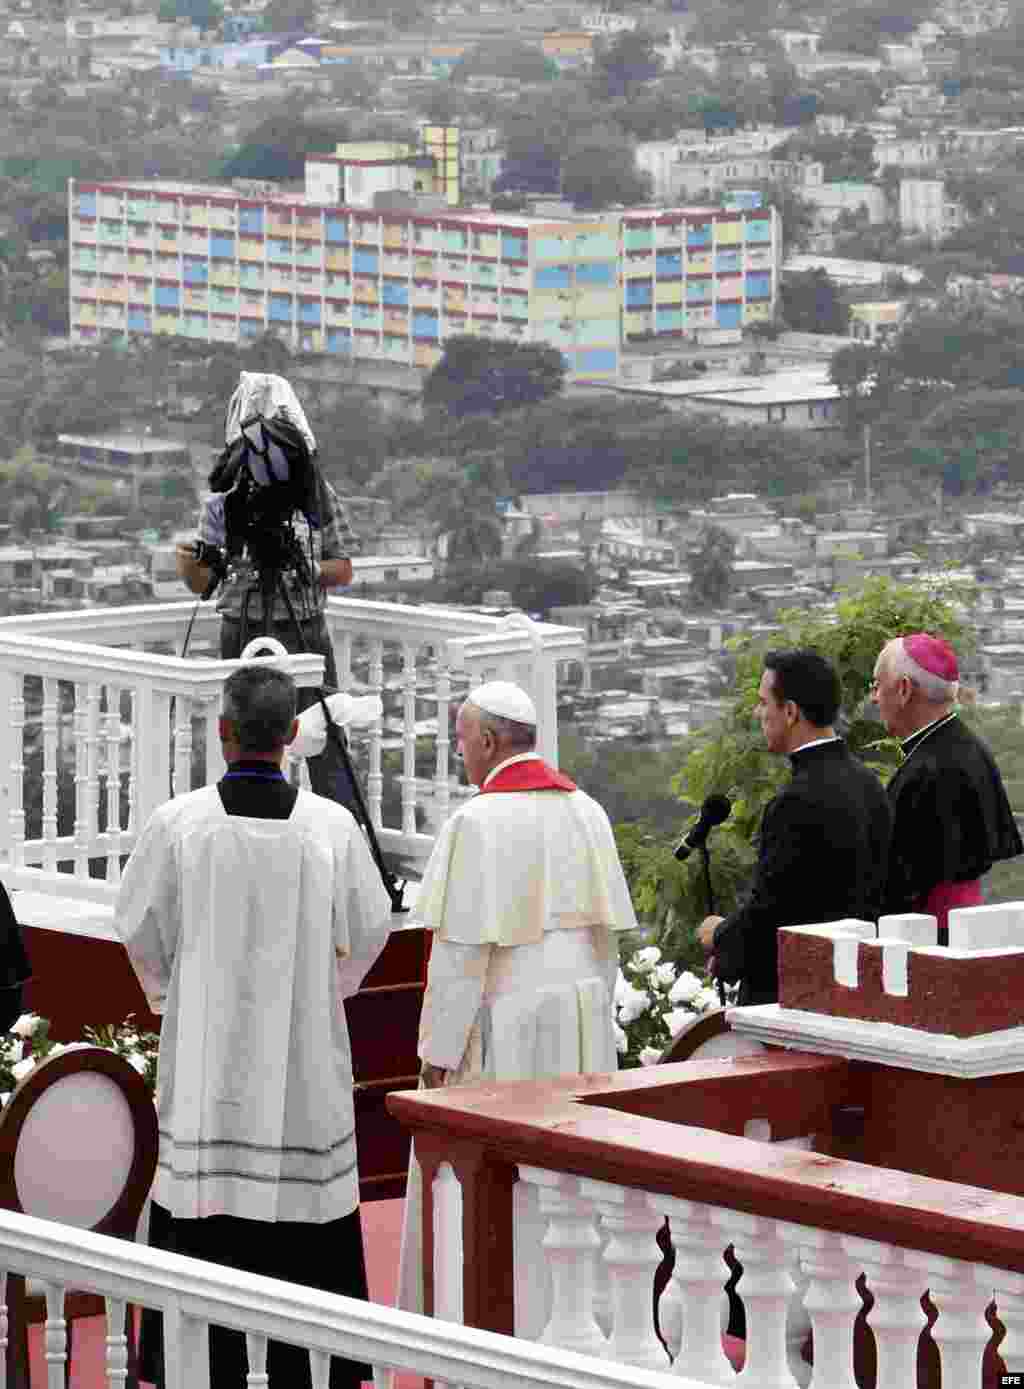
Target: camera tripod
{"points": [[271, 588]]}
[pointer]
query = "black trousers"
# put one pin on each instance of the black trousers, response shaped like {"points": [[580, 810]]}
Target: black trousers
{"points": [[328, 775], [329, 1257]]}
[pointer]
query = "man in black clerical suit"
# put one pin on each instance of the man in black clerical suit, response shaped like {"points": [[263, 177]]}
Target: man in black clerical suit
{"points": [[952, 817], [824, 838]]}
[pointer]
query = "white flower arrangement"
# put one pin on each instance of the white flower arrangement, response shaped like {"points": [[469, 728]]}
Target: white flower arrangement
{"points": [[653, 1003], [27, 1042]]}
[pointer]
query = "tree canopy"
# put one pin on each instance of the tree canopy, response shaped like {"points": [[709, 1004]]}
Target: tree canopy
{"points": [[475, 376]]}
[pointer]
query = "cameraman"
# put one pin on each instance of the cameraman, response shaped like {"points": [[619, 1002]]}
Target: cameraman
{"points": [[240, 602]]}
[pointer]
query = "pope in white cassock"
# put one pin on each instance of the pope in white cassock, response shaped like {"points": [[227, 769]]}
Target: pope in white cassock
{"points": [[249, 911], [524, 894]]}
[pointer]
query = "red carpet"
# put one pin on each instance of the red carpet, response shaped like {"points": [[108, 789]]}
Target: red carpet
{"points": [[382, 1229]]}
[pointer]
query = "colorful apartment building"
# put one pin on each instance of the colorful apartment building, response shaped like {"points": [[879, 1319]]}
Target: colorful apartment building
{"points": [[393, 283]]}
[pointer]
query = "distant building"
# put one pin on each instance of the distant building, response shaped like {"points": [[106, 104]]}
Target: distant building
{"points": [[876, 322], [926, 209], [366, 266]]}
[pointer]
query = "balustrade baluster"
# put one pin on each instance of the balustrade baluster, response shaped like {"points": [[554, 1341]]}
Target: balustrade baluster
{"points": [[81, 725], [765, 1289], [408, 738], [133, 762], [798, 1325], [55, 1336], [182, 745], [896, 1319], [695, 1294], [17, 811], [343, 659], [320, 1369], [1008, 1291], [92, 785], [186, 1349], [570, 1244], [631, 1256], [113, 784], [51, 752], [832, 1302], [961, 1332], [442, 790], [375, 779], [256, 1350], [117, 1344]]}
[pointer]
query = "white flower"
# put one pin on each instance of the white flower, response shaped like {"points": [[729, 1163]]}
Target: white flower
{"points": [[664, 976], [645, 960], [635, 1003], [706, 1000], [27, 1025], [621, 1040], [650, 1056], [20, 1069], [685, 989], [622, 985], [137, 1060], [677, 1020]]}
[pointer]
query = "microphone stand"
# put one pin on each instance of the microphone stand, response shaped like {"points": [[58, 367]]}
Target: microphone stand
{"points": [[705, 854]]}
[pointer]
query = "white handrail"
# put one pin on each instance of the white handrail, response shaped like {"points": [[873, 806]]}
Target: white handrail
{"points": [[192, 1294]]}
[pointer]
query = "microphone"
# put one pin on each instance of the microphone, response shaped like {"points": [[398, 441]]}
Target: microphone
{"points": [[713, 812]]}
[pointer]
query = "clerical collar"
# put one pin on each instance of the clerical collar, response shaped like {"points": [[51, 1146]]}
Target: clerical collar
{"points": [[519, 757], [915, 740], [815, 743], [253, 769]]}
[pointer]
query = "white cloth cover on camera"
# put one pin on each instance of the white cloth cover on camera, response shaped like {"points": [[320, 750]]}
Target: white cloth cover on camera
{"points": [[347, 711]]}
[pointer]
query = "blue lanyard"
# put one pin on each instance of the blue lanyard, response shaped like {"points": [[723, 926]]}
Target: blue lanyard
{"points": [[255, 776]]}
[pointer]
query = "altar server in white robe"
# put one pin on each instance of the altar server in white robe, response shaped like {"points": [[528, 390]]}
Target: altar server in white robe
{"points": [[250, 910], [524, 894]]}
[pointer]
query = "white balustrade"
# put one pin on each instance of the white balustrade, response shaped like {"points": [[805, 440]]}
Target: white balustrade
{"points": [[570, 1246], [961, 1332], [55, 1335], [631, 1256], [795, 1279], [831, 1301], [192, 1296], [897, 1318], [96, 673], [1008, 1291], [117, 1343], [693, 1300]]}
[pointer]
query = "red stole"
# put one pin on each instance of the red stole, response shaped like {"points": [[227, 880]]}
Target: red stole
{"points": [[943, 897], [532, 774]]}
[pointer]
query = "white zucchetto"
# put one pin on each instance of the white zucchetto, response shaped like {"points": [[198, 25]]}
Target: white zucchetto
{"points": [[505, 700]]}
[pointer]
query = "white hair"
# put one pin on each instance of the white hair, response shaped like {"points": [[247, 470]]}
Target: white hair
{"points": [[899, 662]]}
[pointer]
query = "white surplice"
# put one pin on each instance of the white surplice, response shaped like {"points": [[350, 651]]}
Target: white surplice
{"points": [[525, 895], [247, 934]]}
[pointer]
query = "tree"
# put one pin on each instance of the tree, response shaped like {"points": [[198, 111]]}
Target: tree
{"points": [[278, 146], [811, 303], [857, 370], [711, 566], [797, 215], [475, 376], [504, 57], [600, 169], [730, 758], [624, 63]]}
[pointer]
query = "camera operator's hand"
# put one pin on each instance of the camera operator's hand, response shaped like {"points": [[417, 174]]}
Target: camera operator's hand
{"points": [[334, 573], [196, 576], [706, 932]]}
